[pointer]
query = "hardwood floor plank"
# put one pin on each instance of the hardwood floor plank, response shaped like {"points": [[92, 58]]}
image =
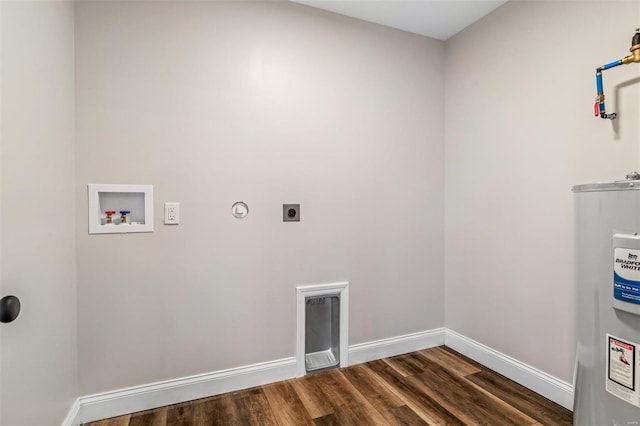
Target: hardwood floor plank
{"points": [[285, 404], [114, 421], [242, 410], [449, 361], [328, 386], [469, 403], [360, 405], [369, 386], [404, 368], [387, 400], [528, 402], [328, 420], [342, 394], [198, 418], [339, 418], [156, 417], [254, 408], [403, 415], [180, 414], [220, 410], [312, 397], [422, 404]]}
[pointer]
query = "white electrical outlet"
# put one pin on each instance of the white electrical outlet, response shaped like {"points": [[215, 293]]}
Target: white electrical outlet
{"points": [[171, 213]]}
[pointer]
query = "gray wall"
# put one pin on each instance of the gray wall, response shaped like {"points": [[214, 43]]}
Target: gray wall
{"points": [[39, 381], [520, 132], [270, 103]]}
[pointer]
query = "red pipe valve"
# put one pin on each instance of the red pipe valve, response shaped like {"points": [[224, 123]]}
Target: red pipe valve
{"points": [[110, 213]]}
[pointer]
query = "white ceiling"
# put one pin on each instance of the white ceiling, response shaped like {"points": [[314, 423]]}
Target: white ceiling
{"points": [[432, 18]]}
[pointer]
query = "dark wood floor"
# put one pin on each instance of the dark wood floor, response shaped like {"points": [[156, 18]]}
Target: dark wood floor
{"points": [[435, 386]]}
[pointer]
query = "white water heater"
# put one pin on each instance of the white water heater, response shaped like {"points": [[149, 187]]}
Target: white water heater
{"points": [[607, 382]]}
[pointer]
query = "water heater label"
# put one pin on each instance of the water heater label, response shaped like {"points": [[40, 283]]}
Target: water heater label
{"points": [[626, 275], [623, 360]]}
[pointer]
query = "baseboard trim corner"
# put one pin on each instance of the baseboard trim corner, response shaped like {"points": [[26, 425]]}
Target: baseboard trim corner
{"points": [[393, 346], [530, 377], [73, 416]]}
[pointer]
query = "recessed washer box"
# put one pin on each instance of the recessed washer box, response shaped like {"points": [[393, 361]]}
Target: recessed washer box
{"points": [[137, 200]]}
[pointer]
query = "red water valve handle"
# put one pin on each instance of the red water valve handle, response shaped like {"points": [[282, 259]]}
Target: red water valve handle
{"points": [[596, 110], [110, 212]]}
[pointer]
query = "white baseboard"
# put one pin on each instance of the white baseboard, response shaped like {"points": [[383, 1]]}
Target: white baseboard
{"points": [[384, 348], [145, 397], [538, 381]]}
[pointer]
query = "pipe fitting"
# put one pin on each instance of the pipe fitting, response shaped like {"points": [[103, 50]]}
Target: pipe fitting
{"points": [[634, 57], [635, 49]]}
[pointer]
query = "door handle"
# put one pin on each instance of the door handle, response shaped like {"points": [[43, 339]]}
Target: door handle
{"points": [[9, 308]]}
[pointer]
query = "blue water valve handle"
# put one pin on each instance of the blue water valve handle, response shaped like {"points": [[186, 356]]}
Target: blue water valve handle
{"points": [[123, 216]]}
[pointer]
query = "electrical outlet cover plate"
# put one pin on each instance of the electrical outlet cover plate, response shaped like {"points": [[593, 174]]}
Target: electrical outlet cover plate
{"points": [[291, 212], [171, 213]]}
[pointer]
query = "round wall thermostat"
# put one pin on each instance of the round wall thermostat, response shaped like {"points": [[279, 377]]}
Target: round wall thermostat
{"points": [[239, 209]]}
